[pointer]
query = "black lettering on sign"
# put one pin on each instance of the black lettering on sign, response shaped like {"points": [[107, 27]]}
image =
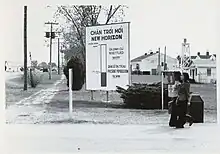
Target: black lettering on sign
{"points": [[116, 66], [122, 71], [112, 37], [110, 66], [116, 57], [117, 71], [122, 66], [119, 30], [116, 76], [97, 32], [108, 31], [111, 71], [116, 52], [95, 38]]}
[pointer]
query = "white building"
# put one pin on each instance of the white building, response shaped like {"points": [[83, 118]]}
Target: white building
{"points": [[12, 66], [205, 68], [148, 63]]}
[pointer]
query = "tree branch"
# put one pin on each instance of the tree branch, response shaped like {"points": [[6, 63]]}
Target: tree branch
{"points": [[77, 10], [97, 16], [82, 15], [109, 14], [93, 12], [109, 17], [61, 9]]}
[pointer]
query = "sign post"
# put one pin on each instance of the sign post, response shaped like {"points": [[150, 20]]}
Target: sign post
{"points": [[162, 90], [92, 97], [70, 91], [107, 56]]}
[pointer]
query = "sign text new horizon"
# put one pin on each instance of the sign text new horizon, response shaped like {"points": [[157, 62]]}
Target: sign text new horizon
{"points": [[115, 34]]}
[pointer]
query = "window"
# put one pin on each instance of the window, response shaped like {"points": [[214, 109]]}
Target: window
{"points": [[154, 71], [209, 72]]}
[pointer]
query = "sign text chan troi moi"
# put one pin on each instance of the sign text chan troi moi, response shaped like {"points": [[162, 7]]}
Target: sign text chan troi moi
{"points": [[107, 56]]}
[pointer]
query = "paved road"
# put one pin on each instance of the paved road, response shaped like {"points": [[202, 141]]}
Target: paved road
{"points": [[201, 138]]}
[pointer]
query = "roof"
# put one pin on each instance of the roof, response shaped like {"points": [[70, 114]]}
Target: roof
{"points": [[140, 58], [203, 56]]}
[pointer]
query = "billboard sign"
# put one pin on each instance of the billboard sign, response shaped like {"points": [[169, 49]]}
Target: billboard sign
{"points": [[107, 56]]}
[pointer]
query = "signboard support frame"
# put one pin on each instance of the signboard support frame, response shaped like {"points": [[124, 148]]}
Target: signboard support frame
{"points": [[92, 97], [107, 96]]}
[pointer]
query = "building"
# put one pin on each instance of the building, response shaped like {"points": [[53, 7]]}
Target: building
{"points": [[148, 63], [204, 70], [11, 66]]}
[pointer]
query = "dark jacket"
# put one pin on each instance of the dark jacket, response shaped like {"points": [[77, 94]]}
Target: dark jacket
{"points": [[184, 91]]}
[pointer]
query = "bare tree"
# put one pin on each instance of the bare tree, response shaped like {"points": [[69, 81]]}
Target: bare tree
{"points": [[77, 18]]}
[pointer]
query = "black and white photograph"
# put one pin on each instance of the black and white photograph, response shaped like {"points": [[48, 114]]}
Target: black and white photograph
{"points": [[131, 77]]}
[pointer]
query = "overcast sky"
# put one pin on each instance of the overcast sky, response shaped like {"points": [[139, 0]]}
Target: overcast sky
{"points": [[154, 24]]}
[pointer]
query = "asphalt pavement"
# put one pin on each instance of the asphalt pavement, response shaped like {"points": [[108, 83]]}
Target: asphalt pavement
{"points": [[88, 138]]}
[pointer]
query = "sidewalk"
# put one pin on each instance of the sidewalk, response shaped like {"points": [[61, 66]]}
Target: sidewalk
{"points": [[15, 84], [34, 104], [201, 138]]}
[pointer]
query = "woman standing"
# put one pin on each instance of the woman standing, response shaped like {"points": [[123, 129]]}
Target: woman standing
{"points": [[173, 117], [182, 102]]}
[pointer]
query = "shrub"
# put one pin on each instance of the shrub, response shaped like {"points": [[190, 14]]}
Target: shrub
{"points": [[78, 73], [144, 96]]}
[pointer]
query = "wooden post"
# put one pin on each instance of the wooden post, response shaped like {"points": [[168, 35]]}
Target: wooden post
{"points": [[25, 47], [107, 96], [162, 90], [92, 97]]}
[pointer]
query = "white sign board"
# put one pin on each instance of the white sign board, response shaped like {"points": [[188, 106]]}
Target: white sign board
{"points": [[107, 56]]}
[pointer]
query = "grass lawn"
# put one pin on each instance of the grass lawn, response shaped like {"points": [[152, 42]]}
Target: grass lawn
{"points": [[208, 93], [96, 111], [82, 103]]}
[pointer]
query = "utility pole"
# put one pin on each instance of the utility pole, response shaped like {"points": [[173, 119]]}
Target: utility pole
{"points": [[51, 35], [25, 47], [158, 56], [159, 65], [58, 56], [165, 58]]}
